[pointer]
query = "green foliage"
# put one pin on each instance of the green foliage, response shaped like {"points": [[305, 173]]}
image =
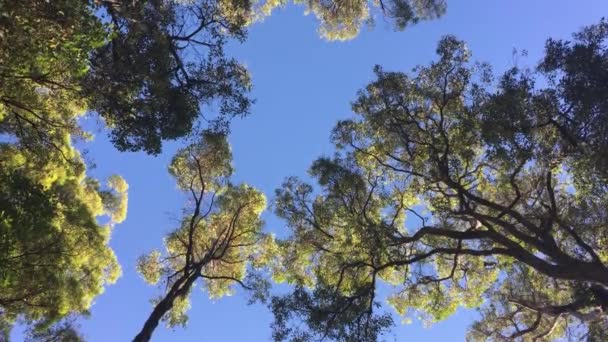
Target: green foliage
{"points": [[63, 331], [357, 323], [203, 166], [456, 190], [55, 255], [147, 68], [219, 241], [150, 267], [43, 55], [117, 204], [343, 20], [163, 63]]}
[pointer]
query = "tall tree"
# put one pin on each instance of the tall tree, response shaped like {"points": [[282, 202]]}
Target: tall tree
{"points": [[343, 20], [54, 254], [164, 61], [456, 190], [147, 68], [218, 241]]}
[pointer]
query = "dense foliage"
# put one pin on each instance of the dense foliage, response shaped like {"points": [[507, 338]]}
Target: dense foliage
{"points": [[455, 189], [147, 68], [54, 254], [219, 240], [163, 62], [343, 20]]}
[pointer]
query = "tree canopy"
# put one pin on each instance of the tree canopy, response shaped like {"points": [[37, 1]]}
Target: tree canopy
{"points": [[147, 68], [54, 254], [343, 20], [458, 189], [453, 187], [219, 241], [162, 63]]}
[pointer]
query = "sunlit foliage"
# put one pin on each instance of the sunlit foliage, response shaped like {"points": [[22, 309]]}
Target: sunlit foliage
{"points": [[54, 254], [149, 69], [344, 19], [456, 189], [163, 64], [219, 241]]}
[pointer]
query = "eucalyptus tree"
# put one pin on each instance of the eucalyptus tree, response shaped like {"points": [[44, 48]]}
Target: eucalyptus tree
{"points": [[148, 69], [54, 253], [343, 20], [163, 64], [457, 189], [219, 242]]}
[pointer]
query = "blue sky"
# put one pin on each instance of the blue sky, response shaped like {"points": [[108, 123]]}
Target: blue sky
{"points": [[303, 85]]}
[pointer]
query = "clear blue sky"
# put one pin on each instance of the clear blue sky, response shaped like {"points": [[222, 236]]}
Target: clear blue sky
{"points": [[303, 85]]}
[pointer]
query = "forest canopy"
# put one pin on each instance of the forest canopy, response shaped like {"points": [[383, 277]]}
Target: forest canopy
{"points": [[457, 188], [219, 242], [343, 20], [135, 65], [453, 186]]}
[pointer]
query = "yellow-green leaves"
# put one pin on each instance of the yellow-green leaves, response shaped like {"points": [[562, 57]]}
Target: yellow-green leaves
{"points": [[343, 20], [49, 206], [219, 240], [150, 267], [51, 220], [178, 315], [487, 179], [237, 226], [44, 57], [118, 184], [118, 209], [205, 164]]}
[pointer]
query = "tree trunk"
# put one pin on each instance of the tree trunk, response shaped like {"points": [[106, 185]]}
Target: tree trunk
{"points": [[152, 322], [164, 306]]}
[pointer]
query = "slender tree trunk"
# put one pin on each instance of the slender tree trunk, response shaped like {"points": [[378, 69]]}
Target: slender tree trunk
{"points": [[152, 322], [164, 306]]}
